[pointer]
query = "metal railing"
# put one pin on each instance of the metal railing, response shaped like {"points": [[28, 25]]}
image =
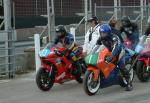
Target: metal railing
{"points": [[7, 57]]}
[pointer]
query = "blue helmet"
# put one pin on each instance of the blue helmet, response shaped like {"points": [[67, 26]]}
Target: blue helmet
{"points": [[105, 28]]}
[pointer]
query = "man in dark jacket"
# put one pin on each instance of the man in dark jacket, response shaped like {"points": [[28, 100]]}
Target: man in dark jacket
{"points": [[67, 40], [131, 31]]}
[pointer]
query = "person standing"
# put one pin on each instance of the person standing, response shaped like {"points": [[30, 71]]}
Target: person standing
{"points": [[92, 35]]}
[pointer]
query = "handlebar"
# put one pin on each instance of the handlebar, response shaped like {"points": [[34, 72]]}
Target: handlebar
{"points": [[58, 53]]}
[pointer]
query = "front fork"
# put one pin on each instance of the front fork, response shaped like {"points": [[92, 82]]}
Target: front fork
{"points": [[126, 73], [48, 69], [95, 72], [133, 62], [148, 65], [50, 72]]}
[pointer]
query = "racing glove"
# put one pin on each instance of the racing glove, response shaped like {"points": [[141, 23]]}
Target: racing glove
{"points": [[109, 59]]}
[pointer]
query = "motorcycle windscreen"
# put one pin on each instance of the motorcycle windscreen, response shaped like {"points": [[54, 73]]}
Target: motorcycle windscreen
{"points": [[45, 52], [139, 48], [105, 68], [91, 59]]}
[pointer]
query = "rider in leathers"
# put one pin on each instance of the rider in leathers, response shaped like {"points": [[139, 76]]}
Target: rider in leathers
{"points": [[131, 31], [114, 45], [72, 49]]}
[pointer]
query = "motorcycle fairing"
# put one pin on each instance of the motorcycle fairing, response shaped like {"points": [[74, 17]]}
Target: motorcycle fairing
{"points": [[104, 67]]}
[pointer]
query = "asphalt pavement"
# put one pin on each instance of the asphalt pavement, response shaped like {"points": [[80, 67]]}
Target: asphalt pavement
{"points": [[23, 89]]}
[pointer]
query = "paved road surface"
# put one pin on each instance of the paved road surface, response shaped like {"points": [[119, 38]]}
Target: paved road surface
{"points": [[24, 90]]}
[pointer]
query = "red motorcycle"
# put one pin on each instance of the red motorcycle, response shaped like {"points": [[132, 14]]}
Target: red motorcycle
{"points": [[143, 63], [57, 68]]}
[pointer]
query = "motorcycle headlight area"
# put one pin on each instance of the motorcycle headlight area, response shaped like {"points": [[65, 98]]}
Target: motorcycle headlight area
{"points": [[139, 48], [45, 53]]}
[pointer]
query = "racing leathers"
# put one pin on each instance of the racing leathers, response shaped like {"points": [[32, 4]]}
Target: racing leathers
{"points": [[114, 45], [73, 51], [132, 33]]}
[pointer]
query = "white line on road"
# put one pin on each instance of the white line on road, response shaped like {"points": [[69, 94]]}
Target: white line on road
{"points": [[4, 81]]}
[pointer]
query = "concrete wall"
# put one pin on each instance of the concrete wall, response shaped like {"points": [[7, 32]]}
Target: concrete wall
{"points": [[24, 34], [25, 61]]}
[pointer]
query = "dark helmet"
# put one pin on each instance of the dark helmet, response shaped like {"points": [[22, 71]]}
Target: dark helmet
{"points": [[60, 31], [61, 28], [94, 18], [125, 21]]}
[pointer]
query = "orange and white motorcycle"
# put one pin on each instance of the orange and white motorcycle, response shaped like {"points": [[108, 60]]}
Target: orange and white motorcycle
{"points": [[100, 74]]}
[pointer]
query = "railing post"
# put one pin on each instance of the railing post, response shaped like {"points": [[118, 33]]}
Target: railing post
{"points": [[116, 9], [9, 42], [95, 9], [72, 31]]}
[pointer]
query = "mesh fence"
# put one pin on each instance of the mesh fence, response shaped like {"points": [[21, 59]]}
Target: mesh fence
{"points": [[130, 8], [28, 12], [39, 7], [106, 12]]}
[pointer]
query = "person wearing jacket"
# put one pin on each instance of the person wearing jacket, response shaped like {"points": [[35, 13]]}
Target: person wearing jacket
{"points": [[131, 30], [92, 35], [72, 49], [112, 24], [114, 45], [63, 37]]}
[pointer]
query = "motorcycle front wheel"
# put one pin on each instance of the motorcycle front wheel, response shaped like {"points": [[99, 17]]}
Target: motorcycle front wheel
{"points": [[91, 87], [44, 79]]}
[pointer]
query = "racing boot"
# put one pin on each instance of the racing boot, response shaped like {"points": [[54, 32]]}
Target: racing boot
{"points": [[129, 86]]}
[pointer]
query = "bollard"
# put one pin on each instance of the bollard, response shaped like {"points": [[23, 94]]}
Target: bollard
{"points": [[37, 49]]}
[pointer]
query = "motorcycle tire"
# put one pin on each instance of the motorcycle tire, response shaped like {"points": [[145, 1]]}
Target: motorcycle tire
{"points": [[43, 80], [88, 88], [140, 67]]}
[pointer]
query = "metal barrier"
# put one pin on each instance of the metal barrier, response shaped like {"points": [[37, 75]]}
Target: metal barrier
{"points": [[7, 59]]}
